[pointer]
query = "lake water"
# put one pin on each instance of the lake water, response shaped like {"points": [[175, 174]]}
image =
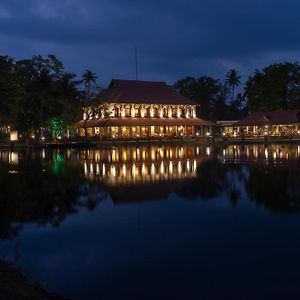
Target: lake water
{"points": [[167, 222]]}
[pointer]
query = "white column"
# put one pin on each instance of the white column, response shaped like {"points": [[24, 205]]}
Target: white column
{"points": [[122, 111], [142, 111], [178, 111], [170, 111], [161, 111], [132, 111], [194, 111], [151, 111], [187, 115]]}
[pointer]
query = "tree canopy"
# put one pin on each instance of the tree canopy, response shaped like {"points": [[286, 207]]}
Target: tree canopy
{"points": [[276, 87], [32, 91]]}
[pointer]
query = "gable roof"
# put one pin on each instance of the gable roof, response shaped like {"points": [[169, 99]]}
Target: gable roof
{"points": [[270, 118], [146, 92]]}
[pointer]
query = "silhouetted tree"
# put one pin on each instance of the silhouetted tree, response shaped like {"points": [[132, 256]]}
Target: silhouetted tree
{"points": [[276, 87], [233, 80]]}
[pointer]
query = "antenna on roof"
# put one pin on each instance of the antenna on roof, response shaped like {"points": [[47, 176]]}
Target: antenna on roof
{"points": [[136, 62]]}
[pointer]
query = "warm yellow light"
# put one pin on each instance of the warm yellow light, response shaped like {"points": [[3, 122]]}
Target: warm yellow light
{"points": [[124, 170], [14, 136], [207, 151]]}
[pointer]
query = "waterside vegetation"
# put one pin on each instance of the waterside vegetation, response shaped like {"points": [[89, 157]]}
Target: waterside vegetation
{"points": [[42, 100]]}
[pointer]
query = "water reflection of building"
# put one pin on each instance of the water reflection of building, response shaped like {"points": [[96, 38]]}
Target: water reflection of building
{"points": [[131, 165], [269, 154]]}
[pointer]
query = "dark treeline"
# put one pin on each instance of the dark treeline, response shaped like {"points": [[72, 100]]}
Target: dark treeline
{"points": [[276, 87], [38, 94]]}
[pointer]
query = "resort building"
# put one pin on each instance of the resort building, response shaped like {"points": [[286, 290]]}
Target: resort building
{"points": [[275, 123], [143, 109]]}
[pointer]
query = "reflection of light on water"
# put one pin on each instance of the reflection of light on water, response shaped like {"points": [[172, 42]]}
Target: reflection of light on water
{"points": [[152, 169], [133, 170], [188, 165], [154, 164], [207, 150], [43, 154], [97, 156], [113, 171], [13, 158], [124, 170], [171, 167], [179, 167], [224, 152], [162, 168], [266, 153], [274, 155], [85, 168], [143, 169], [195, 165]]}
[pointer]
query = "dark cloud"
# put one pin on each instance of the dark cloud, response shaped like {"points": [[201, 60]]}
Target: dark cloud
{"points": [[175, 38]]}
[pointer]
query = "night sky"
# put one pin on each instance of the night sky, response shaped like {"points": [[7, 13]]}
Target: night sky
{"points": [[175, 38]]}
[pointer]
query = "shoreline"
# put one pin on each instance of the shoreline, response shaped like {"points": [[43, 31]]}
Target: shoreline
{"points": [[127, 142], [15, 286]]}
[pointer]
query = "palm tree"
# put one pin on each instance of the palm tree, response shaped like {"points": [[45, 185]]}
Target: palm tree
{"points": [[89, 78], [233, 80]]}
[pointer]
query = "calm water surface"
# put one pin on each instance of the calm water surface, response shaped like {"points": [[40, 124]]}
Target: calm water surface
{"points": [[173, 222]]}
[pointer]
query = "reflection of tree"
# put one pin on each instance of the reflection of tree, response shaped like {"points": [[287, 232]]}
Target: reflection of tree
{"points": [[42, 192], [211, 181], [277, 188], [214, 179]]}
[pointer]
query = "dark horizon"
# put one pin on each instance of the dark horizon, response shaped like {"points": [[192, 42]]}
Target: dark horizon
{"points": [[174, 39]]}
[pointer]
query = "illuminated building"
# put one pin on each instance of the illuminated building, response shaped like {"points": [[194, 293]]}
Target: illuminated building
{"points": [[143, 109], [269, 124]]}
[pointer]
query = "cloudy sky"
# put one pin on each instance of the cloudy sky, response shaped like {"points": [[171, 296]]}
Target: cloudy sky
{"points": [[175, 38]]}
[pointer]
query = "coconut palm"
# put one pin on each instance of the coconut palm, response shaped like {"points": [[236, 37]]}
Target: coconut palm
{"points": [[233, 80], [89, 78]]}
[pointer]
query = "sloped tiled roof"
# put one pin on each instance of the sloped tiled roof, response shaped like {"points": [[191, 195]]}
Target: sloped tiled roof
{"points": [[270, 118], [146, 92]]}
